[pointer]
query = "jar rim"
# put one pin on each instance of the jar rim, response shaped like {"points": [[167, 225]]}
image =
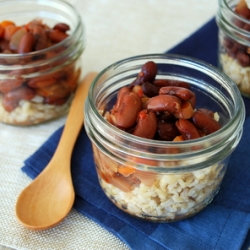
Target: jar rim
{"points": [[188, 61]]}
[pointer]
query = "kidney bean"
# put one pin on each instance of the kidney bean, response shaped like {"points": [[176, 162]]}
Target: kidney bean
{"points": [[147, 73], [205, 122], [26, 44], [183, 93], [149, 89], [63, 27], [58, 90], [187, 129], [8, 85], [41, 81], [57, 36], [167, 131], [12, 98], [146, 124], [166, 82], [16, 38], [41, 37], [121, 92], [124, 112], [46, 80], [165, 116], [168, 103]]}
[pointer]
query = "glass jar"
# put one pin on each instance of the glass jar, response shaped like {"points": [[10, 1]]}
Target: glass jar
{"points": [[234, 44], [38, 86], [163, 181]]}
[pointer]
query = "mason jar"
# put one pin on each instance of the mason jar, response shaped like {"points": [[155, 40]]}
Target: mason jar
{"points": [[38, 85], [234, 42], [159, 180]]}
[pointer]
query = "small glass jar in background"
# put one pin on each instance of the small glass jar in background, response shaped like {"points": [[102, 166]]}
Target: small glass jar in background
{"points": [[38, 86], [233, 20], [155, 180]]}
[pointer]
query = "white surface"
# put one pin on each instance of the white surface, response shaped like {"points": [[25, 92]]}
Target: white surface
{"points": [[114, 30]]}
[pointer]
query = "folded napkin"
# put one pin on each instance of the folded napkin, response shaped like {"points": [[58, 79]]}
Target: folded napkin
{"points": [[223, 224]]}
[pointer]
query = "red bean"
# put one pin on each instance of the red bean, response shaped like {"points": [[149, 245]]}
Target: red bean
{"points": [[41, 38], [167, 131], [183, 93], [149, 89], [62, 27], [147, 73], [168, 103], [57, 36], [8, 85], [26, 43], [125, 111], [11, 99], [205, 122], [187, 129], [16, 38], [146, 124], [58, 90]]}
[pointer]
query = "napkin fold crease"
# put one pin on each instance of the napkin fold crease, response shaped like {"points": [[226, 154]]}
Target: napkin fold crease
{"points": [[223, 224]]}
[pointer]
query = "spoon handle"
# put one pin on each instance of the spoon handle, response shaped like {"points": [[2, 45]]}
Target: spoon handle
{"points": [[75, 118]]}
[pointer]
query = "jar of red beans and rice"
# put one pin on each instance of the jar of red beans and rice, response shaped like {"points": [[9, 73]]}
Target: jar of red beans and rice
{"points": [[41, 43], [233, 20], [162, 129]]}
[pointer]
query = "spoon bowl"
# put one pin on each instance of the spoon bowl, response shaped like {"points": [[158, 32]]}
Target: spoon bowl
{"points": [[49, 198]]}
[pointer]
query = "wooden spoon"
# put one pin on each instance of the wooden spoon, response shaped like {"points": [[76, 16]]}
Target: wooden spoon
{"points": [[49, 198]]}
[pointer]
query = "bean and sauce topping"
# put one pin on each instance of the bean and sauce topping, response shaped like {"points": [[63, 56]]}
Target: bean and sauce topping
{"points": [[52, 86], [33, 36], [160, 109]]}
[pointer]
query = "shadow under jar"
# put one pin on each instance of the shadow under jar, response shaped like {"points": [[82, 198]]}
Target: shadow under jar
{"points": [[233, 20], [38, 84], [163, 181]]}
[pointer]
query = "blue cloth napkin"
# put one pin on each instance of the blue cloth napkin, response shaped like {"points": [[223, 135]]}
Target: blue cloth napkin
{"points": [[224, 224]]}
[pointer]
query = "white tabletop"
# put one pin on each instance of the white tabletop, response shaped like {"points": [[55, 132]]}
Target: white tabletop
{"points": [[114, 30]]}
